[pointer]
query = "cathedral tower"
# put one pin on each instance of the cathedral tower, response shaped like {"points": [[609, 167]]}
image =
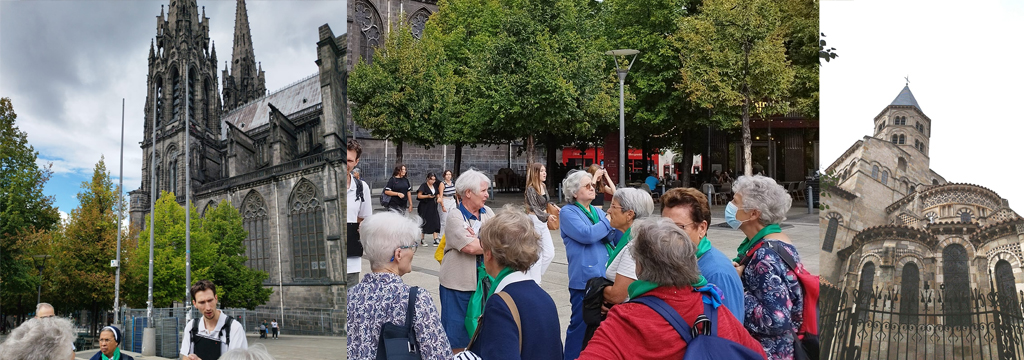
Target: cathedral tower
{"points": [[246, 81], [182, 82], [904, 123]]}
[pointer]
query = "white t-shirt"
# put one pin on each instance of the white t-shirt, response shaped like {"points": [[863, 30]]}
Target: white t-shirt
{"points": [[273, 324], [237, 335], [358, 209], [622, 265]]}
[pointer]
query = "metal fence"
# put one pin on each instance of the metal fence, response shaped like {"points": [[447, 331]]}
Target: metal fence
{"points": [[936, 324]]}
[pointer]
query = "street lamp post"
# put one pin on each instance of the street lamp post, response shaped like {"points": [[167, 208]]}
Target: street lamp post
{"points": [[622, 106], [40, 261]]}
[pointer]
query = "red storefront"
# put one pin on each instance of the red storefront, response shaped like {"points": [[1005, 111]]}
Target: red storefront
{"points": [[573, 157]]}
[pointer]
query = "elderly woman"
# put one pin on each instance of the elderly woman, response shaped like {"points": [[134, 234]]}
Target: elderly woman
{"points": [[40, 339], [510, 248], [462, 251], [688, 209], [255, 352], [389, 243], [589, 240], [666, 268], [773, 299], [400, 190], [110, 341]]}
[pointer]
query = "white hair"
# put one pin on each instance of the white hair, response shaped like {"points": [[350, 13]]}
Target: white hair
{"points": [[572, 184], [765, 195], [471, 180], [638, 201], [42, 305], [40, 339], [255, 352], [383, 232]]}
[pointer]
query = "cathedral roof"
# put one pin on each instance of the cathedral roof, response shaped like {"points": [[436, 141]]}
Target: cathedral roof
{"points": [[297, 96], [906, 98]]}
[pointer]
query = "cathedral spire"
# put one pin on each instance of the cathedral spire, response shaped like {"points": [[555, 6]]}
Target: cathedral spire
{"points": [[246, 81]]}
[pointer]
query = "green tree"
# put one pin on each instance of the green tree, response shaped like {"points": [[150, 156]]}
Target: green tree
{"points": [[216, 245], [733, 53], [24, 210]]}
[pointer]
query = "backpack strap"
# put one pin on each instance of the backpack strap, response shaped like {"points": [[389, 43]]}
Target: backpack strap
{"points": [[410, 313], [226, 329], [750, 253], [670, 315], [515, 316], [194, 333], [783, 254], [359, 189]]}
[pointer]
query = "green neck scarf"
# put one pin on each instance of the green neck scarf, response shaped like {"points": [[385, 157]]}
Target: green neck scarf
{"points": [[592, 215], [640, 287], [749, 243], [703, 246], [622, 243], [497, 280], [117, 354]]}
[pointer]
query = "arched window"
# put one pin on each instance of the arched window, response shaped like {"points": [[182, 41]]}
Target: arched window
{"points": [[874, 172], [885, 177], [368, 20], [956, 275], [172, 177], [965, 216], [209, 206], [1006, 285], [895, 139], [418, 21], [901, 164], [830, 232], [255, 221], [903, 139], [207, 95], [307, 228], [910, 288], [867, 281], [159, 93], [175, 94], [881, 126], [935, 181]]}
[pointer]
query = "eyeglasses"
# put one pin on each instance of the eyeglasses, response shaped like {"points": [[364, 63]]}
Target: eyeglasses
{"points": [[683, 226], [588, 186], [414, 247]]}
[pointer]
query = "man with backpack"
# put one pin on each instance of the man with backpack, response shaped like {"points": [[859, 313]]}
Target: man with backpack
{"points": [[212, 334], [359, 208]]}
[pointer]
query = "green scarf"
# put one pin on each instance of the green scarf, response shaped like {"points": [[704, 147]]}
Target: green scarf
{"points": [[641, 287], [497, 280], [592, 215], [703, 246], [749, 243], [117, 355], [622, 243]]}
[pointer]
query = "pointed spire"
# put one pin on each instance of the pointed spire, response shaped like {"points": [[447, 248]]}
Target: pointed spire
{"points": [[906, 98], [213, 52], [246, 79], [152, 51]]}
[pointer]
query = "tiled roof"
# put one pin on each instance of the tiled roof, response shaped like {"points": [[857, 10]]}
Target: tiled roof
{"points": [[297, 96], [906, 98]]}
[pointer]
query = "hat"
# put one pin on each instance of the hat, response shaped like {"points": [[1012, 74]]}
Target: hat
{"points": [[115, 330]]}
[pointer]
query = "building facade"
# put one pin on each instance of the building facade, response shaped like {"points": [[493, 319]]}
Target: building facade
{"points": [[893, 223], [278, 157]]}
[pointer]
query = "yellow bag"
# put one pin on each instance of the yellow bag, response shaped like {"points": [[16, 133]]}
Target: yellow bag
{"points": [[439, 252]]}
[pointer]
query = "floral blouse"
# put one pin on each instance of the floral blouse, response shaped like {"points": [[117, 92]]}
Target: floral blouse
{"points": [[383, 298], [773, 300]]}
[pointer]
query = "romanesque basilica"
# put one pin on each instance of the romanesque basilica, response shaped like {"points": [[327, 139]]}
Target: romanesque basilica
{"points": [[277, 156], [894, 223]]}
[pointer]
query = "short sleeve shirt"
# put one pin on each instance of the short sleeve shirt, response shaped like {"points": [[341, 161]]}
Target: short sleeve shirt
{"points": [[237, 335], [358, 209], [623, 264]]}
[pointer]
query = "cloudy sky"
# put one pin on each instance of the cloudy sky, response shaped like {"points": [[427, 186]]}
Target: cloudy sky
{"points": [[964, 64], [66, 65]]}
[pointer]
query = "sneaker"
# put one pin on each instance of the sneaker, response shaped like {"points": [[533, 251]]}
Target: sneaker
{"points": [[437, 242]]}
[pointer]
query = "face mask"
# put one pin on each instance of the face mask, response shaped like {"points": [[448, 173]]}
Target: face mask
{"points": [[730, 216]]}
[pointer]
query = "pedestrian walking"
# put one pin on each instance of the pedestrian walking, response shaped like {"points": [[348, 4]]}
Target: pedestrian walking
{"points": [[274, 328], [400, 191], [537, 203], [427, 194]]}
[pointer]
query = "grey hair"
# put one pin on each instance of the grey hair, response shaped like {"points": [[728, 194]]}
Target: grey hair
{"points": [[355, 170], [383, 232], [664, 253], [638, 201], [572, 183], [40, 339], [511, 238], [255, 352], [471, 180], [765, 195], [43, 305]]}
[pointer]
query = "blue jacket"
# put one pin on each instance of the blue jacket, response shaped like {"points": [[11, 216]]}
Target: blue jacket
{"points": [[584, 244], [542, 335], [718, 269]]}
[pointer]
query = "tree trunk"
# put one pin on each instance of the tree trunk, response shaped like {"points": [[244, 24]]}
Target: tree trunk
{"points": [[399, 158], [686, 163], [645, 153], [530, 158], [552, 162], [458, 159], [747, 168]]}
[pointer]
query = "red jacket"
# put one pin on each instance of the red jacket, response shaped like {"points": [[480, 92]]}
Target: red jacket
{"points": [[635, 331]]}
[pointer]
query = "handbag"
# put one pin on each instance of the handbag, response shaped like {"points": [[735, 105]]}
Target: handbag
{"points": [[384, 199], [399, 342], [439, 251], [552, 211]]}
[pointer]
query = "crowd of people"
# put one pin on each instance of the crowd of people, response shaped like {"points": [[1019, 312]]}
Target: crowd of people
{"points": [[633, 277]]}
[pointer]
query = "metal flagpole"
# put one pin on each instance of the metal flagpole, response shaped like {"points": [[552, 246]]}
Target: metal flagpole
{"points": [[188, 207], [120, 218]]}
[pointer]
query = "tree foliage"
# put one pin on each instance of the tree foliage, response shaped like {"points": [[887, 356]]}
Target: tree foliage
{"points": [[217, 255], [24, 210]]}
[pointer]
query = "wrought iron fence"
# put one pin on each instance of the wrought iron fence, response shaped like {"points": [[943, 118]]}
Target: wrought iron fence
{"points": [[936, 324]]}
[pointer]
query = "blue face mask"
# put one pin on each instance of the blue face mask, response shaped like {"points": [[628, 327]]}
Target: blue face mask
{"points": [[730, 216]]}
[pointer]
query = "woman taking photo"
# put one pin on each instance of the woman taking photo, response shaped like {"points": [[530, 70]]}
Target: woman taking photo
{"points": [[603, 184], [537, 201], [427, 195], [398, 188], [773, 297]]}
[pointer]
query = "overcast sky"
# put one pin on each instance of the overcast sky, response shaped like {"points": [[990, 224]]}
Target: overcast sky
{"points": [[67, 64], [964, 60]]}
